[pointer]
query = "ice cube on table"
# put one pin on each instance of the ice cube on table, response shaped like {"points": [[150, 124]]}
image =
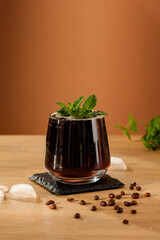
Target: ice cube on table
{"points": [[22, 191], [1, 194], [4, 188], [117, 164]]}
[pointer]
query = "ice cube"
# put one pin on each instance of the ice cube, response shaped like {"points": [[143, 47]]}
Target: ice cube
{"points": [[1, 194], [22, 191], [3, 188], [117, 164]]}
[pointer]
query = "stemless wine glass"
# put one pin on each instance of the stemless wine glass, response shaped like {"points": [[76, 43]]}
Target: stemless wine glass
{"points": [[77, 150]]}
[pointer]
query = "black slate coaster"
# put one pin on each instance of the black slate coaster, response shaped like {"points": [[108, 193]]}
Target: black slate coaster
{"points": [[45, 180]]}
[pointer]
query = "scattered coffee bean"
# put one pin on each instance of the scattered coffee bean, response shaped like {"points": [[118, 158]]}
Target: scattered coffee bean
{"points": [[147, 194], [49, 202], [111, 195], [122, 193], [77, 215], [134, 184], [82, 202], [118, 196], [70, 199], [138, 188], [111, 202], [135, 195], [52, 206], [131, 187], [116, 207], [96, 197], [133, 211], [125, 221], [93, 208], [103, 203], [119, 210], [126, 203], [133, 202]]}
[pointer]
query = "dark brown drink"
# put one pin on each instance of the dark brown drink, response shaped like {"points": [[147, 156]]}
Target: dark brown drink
{"points": [[77, 150]]}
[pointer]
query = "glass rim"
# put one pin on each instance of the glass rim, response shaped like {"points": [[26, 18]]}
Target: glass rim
{"points": [[73, 119]]}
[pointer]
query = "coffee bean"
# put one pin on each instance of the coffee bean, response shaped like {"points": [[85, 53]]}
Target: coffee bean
{"points": [[49, 202], [147, 194], [111, 195], [133, 211], [70, 199], [96, 197], [138, 188], [77, 215], [133, 202], [134, 184], [82, 202], [126, 203], [52, 206], [103, 203], [116, 207], [122, 193], [125, 221], [119, 210], [118, 196], [135, 195], [111, 202], [131, 187], [93, 208]]}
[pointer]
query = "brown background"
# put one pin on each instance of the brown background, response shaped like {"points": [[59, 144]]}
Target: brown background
{"points": [[58, 50]]}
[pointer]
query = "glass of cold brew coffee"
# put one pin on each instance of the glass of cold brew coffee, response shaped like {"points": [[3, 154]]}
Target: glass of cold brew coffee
{"points": [[77, 150]]}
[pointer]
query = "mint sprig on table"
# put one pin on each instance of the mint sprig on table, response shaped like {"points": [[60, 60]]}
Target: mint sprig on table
{"points": [[74, 110], [151, 139]]}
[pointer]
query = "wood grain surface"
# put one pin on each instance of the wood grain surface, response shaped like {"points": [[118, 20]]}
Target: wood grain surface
{"points": [[22, 156]]}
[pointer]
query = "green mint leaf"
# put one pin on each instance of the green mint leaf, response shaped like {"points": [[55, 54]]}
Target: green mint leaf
{"points": [[155, 123], [98, 113], [63, 112], [70, 105], [125, 132], [132, 123], [152, 143], [90, 103], [120, 127], [152, 137], [63, 106], [78, 102]]}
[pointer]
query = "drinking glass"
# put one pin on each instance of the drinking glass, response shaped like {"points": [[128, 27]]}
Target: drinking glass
{"points": [[77, 150]]}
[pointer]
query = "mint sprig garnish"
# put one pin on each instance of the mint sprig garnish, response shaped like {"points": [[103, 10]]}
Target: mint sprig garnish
{"points": [[74, 110], [151, 139]]}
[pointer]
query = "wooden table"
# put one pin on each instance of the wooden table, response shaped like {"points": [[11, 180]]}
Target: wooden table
{"points": [[22, 156]]}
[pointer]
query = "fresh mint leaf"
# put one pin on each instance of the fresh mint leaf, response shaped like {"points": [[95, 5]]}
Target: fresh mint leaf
{"points": [[125, 132], [78, 102], [76, 111], [63, 112], [70, 105], [120, 127], [90, 103], [63, 106], [98, 113], [155, 122], [132, 123], [152, 137]]}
